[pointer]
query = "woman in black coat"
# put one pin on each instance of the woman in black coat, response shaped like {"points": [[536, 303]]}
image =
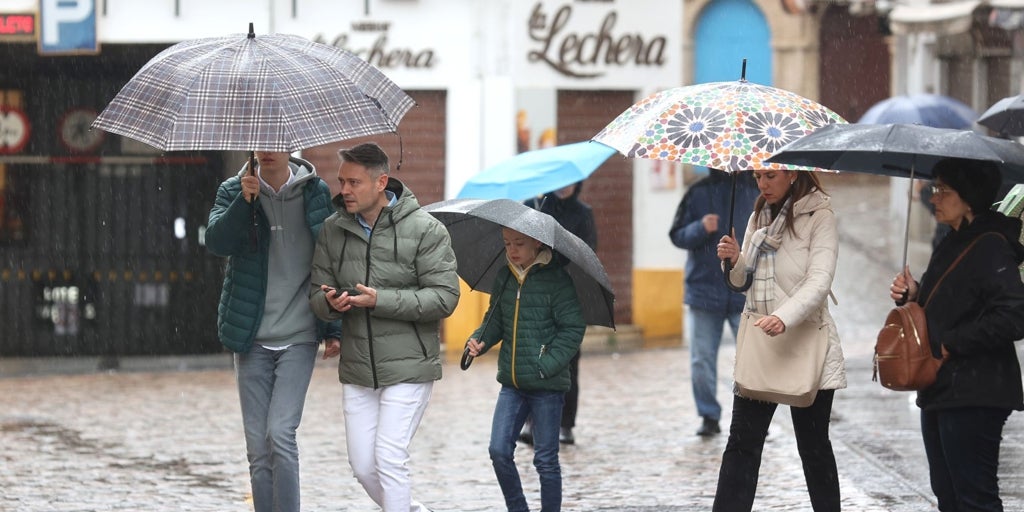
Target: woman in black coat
{"points": [[974, 318]]}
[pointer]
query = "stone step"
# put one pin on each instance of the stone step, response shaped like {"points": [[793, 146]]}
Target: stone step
{"points": [[599, 339]]}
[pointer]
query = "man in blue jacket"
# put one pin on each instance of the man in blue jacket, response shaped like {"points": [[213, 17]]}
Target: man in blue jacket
{"points": [[700, 221], [267, 224]]}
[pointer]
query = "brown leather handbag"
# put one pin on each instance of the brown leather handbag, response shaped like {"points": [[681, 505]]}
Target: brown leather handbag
{"points": [[903, 354]]}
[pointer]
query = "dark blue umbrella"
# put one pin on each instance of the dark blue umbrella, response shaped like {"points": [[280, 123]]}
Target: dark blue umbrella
{"points": [[532, 173], [933, 110]]}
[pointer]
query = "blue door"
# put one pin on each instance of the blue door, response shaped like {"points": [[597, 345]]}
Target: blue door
{"points": [[729, 31]]}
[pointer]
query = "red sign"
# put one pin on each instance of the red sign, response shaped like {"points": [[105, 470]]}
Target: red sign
{"points": [[23, 25], [14, 130]]}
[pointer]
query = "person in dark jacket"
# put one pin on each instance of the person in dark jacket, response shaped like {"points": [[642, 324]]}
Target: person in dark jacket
{"points": [[974, 317], [700, 221], [577, 218], [264, 316], [535, 314]]}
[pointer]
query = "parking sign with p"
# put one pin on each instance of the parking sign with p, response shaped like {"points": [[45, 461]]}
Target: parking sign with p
{"points": [[67, 27]]}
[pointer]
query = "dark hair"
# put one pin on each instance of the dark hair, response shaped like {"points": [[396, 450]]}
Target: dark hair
{"points": [[804, 182], [368, 155], [976, 182]]}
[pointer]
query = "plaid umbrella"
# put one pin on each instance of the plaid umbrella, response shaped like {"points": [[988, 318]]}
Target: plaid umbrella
{"points": [[269, 93]]}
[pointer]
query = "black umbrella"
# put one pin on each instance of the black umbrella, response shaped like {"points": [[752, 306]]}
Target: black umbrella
{"points": [[899, 150], [1006, 117], [475, 228]]}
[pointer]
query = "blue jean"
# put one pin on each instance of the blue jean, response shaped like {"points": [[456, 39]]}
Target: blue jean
{"points": [[545, 407], [962, 446], [705, 338], [272, 387], [741, 461]]}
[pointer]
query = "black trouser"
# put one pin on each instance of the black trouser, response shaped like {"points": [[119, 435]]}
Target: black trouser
{"points": [[741, 462], [962, 445], [572, 397]]}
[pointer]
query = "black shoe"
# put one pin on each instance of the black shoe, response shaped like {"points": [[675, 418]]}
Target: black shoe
{"points": [[708, 427], [526, 435], [565, 436]]}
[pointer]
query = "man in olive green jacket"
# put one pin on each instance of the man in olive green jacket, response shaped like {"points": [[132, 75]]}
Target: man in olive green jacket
{"points": [[386, 268]]}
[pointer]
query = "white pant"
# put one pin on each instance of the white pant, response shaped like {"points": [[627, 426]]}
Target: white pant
{"points": [[379, 426]]}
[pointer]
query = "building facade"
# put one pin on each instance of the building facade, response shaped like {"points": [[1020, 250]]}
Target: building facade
{"points": [[101, 247]]}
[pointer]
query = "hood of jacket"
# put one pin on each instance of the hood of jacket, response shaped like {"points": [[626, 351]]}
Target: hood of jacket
{"points": [[301, 168], [812, 202]]}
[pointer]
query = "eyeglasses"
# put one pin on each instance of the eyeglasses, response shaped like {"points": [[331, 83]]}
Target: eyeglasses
{"points": [[940, 190]]}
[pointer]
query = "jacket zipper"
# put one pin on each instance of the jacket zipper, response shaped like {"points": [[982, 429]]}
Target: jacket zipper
{"points": [[369, 324], [515, 335]]}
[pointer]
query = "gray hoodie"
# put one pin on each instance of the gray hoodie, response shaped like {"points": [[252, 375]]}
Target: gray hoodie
{"points": [[287, 317]]}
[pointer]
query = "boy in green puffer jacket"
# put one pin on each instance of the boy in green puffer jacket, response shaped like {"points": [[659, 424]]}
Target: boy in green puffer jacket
{"points": [[534, 311]]}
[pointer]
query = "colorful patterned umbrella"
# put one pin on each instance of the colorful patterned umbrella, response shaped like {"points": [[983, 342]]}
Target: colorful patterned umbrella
{"points": [[731, 126]]}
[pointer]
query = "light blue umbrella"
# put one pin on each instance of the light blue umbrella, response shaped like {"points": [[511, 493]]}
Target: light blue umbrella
{"points": [[532, 173], [933, 110]]}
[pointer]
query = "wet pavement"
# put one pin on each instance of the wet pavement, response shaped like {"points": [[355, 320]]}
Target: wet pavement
{"points": [[172, 440]]}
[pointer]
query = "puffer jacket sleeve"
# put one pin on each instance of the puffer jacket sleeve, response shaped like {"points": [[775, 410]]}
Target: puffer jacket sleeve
{"points": [[321, 272], [318, 206], [228, 227], [490, 332], [437, 292]]}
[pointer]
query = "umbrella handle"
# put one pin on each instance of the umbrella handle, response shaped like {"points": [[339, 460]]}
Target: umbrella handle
{"points": [[742, 288], [466, 360], [732, 206]]}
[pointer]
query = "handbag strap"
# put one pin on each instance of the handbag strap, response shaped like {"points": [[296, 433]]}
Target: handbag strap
{"points": [[955, 262]]}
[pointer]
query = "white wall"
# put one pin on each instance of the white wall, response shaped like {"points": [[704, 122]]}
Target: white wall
{"points": [[480, 52]]}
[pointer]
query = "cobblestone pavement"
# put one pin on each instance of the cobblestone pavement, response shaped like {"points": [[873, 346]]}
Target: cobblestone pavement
{"points": [[172, 440]]}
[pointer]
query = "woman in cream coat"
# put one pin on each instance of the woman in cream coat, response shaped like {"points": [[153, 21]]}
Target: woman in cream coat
{"points": [[791, 247]]}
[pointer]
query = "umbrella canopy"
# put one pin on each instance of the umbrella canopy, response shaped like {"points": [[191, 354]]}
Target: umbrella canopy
{"points": [[900, 150], [731, 126], [1006, 117], [274, 92], [933, 110], [532, 173], [475, 228]]}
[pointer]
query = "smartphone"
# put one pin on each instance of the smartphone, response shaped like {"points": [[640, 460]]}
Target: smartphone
{"points": [[351, 291]]}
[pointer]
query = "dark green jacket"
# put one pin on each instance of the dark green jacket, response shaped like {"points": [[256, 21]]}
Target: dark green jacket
{"points": [[540, 324], [229, 233]]}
